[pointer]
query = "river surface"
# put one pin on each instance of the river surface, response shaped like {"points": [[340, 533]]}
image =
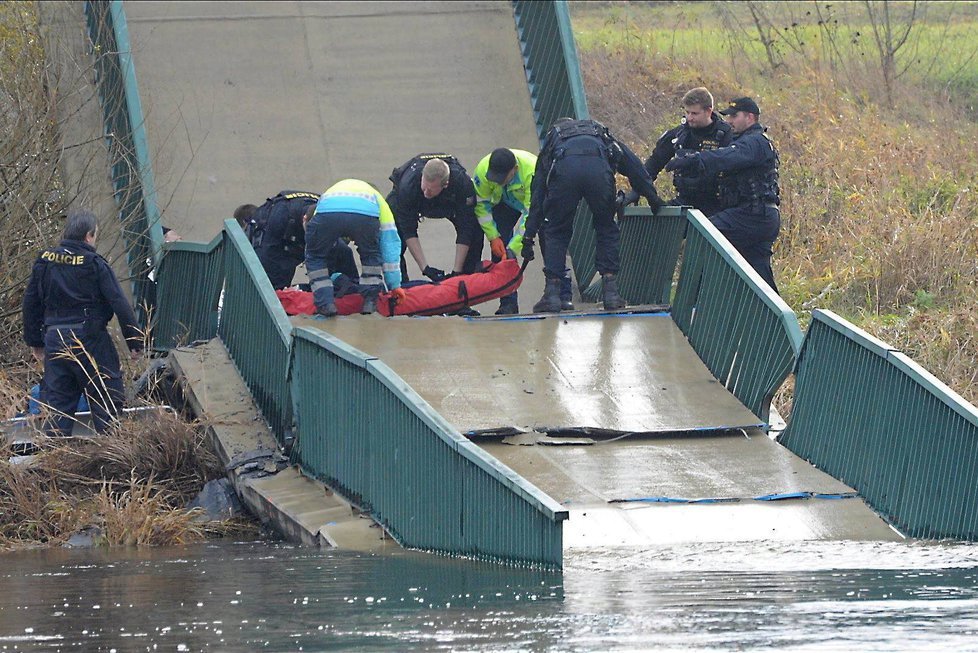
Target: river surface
{"points": [[809, 596]]}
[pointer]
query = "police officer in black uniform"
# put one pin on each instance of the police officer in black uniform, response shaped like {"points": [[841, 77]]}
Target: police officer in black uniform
{"points": [[276, 232], [436, 186], [70, 298], [578, 160], [749, 193], [701, 129]]}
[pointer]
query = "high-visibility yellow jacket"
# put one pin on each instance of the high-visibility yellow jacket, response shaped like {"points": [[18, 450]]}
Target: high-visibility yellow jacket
{"points": [[355, 196], [515, 194]]}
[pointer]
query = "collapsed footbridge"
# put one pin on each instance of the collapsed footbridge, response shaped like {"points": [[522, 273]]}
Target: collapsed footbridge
{"points": [[518, 438]]}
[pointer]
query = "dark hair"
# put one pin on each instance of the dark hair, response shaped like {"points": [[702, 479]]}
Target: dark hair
{"points": [[81, 222], [245, 212]]}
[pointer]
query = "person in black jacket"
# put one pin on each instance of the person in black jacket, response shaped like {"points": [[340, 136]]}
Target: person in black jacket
{"points": [[578, 160], [436, 186], [275, 231], [70, 298], [701, 129], [749, 190]]}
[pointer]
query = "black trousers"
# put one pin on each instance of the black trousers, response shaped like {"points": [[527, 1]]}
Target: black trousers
{"points": [[77, 362]]}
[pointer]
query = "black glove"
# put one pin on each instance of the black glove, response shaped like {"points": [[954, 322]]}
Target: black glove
{"points": [[682, 163], [434, 274], [655, 203], [620, 204], [528, 254]]}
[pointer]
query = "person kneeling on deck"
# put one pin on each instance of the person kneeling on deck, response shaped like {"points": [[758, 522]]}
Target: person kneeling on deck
{"points": [[275, 230], [70, 298], [578, 160], [356, 210]]}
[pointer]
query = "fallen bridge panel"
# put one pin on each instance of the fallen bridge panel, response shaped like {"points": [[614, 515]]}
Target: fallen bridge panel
{"points": [[634, 373]]}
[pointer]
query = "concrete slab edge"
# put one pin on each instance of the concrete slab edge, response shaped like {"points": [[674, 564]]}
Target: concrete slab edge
{"points": [[302, 509]]}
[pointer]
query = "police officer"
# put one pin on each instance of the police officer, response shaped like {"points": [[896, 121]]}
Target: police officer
{"points": [[276, 232], [70, 298], [578, 160], [503, 180], [700, 129], [356, 210], [436, 186], [749, 193]]}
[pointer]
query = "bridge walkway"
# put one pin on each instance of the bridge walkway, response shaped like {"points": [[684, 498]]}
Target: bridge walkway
{"points": [[616, 418]]}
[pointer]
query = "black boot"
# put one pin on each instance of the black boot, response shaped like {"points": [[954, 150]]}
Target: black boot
{"points": [[369, 300], [508, 306], [550, 302], [612, 300]]}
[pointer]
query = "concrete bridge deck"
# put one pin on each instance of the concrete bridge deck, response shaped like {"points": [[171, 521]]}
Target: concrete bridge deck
{"points": [[616, 418]]}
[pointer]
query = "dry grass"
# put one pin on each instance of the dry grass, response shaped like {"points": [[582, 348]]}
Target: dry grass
{"points": [[132, 485], [880, 210]]}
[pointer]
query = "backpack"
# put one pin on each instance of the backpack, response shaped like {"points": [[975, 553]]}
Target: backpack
{"points": [[293, 229]]}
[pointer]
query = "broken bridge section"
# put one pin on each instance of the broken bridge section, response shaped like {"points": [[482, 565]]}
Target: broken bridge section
{"points": [[601, 374]]}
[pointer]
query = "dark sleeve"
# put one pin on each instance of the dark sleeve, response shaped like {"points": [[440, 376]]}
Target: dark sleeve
{"points": [[631, 166], [406, 206], [538, 187], [33, 308], [662, 153], [747, 152], [112, 292], [466, 224]]}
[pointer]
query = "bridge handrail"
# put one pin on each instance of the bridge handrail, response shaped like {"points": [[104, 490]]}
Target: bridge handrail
{"points": [[650, 246], [132, 172], [361, 428], [255, 330], [553, 75], [742, 330], [909, 446], [189, 279]]}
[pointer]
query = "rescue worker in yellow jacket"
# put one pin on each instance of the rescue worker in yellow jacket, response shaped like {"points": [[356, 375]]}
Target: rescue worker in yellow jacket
{"points": [[502, 187], [354, 209]]}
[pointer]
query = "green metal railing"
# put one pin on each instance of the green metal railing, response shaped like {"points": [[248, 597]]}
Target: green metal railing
{"points": [[189, 282], [650, 246], [744, 332], [125, 136], [869, 416], [553, 74], [255, 330], [361, 428]]}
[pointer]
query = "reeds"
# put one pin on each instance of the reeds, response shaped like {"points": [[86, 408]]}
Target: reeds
{"points": [[130, 486]]}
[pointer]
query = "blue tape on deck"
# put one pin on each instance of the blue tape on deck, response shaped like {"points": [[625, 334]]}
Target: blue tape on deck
{"points": [[783, 496]]}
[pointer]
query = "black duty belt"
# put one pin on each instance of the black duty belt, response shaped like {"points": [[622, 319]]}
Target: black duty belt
{"points": [[584, 151], [66, 327]]}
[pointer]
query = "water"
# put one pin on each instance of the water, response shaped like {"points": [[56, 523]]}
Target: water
{"points": [[276, 597]]}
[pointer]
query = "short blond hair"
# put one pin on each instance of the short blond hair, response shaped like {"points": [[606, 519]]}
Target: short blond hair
{"points": [[435, 171]]}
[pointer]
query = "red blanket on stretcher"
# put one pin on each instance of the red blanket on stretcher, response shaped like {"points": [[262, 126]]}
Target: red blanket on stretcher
{"points": [[461, 291]]}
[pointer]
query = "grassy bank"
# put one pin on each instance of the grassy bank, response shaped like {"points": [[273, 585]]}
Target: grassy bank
{"points": [[880, 208], [129, 487]]}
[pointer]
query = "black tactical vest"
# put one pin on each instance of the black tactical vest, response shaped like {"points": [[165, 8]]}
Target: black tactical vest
{"points": [[757, 185], [691, 186]]}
